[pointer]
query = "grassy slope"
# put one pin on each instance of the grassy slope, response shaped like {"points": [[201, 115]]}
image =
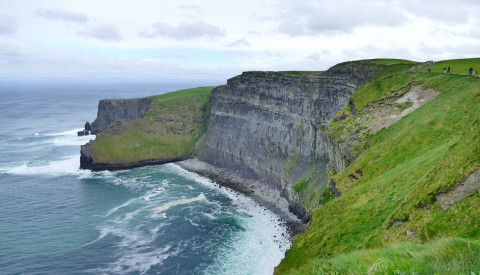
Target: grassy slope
{"points": [[445, 256], [170, 130], [402, 167], [457, 66]]}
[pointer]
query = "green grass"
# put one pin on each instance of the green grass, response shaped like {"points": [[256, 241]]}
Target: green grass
{"points": [[169, 130], [403, 167], [388, 61], [395, 79], [201, 94], [457, 66], [446, 256], [300, 73], [312, 187]]}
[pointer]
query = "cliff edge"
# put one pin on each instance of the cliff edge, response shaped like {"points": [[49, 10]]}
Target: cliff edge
{"points": [[152, 130]]}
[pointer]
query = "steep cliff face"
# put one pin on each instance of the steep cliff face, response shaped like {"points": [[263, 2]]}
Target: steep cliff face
{"points": [[146, 131], [269, 126], [111, 110]]}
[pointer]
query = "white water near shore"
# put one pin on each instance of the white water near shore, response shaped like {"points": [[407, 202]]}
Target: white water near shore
{"points": [[58, 219], [255, 249]]}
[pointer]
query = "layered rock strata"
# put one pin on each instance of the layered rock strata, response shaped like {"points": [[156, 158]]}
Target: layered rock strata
{"points": [[268, 126], [111, 110]]}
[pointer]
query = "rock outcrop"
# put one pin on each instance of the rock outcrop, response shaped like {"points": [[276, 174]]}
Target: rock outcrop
{"points": [[111, 110], [269, 126]]}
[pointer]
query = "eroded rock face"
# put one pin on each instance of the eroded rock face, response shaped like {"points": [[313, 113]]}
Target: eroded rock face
{"points": [[459, 191], [268, 126], [111, 110]]}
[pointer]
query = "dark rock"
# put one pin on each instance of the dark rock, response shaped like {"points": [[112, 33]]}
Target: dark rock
{"points": [[88, 127], [111, 110], [260, 120], [83, 133]]}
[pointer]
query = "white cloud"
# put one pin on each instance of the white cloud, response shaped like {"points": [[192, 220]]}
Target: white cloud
{"points": [[62, 15], [314, 56], [227, 35], [184, 31], [7, 24], [239, 43], [18, 59], [332, 17], [105, 32]]}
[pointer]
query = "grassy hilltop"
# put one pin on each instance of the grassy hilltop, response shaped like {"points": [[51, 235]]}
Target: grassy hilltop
{"points": [[170, 129], [388, 219]]}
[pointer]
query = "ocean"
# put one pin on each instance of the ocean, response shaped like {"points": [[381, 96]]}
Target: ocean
{"points": [[57, 219]]}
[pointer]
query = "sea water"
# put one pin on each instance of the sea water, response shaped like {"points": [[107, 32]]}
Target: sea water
{"points": [[57, 219]]}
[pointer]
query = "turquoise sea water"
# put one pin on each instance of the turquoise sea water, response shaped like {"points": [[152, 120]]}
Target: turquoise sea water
{"points": [[57, 219]]}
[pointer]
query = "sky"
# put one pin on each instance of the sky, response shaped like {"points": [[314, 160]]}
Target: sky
{"points": [[214, 40]]}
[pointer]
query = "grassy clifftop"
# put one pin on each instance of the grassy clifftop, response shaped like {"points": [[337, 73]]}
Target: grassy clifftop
{"points": [[389, 191], [169, 130]]}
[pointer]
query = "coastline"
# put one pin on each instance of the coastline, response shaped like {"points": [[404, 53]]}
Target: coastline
{"points": [[261, 194]]}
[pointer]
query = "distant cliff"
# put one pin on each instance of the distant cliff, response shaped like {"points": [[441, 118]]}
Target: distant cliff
{"points": [[146, 131], [111, 110]]}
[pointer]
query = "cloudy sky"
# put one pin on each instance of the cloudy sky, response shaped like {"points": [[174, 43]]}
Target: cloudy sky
{"points": [[213, 39]]}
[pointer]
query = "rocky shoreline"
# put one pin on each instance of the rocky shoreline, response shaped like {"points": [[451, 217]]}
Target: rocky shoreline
{"points": [[263, 195]]}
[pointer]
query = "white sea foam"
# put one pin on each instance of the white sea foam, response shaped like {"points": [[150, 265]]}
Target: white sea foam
{"points": [[200, 179], [154, 193], [178, 202], [191, 222], [116, 208], [135, 253], [257, 249], [137, 262], [72, 132], [72, 141], [63, 165], [66, 165]]}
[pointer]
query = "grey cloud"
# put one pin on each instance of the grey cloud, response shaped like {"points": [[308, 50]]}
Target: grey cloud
{"points": [[7, 24], [463, 51], [62, 15], [329, 17], [239, 43], [449, 12], [184, 30], [429, 51], [374, 51], [24, 62], [105, 32], [314, 57]]}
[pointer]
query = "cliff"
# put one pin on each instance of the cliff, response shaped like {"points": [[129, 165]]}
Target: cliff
{"points": [[271, 127], [400, 145], [111, 110], [152, 130], [263, 126]]}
